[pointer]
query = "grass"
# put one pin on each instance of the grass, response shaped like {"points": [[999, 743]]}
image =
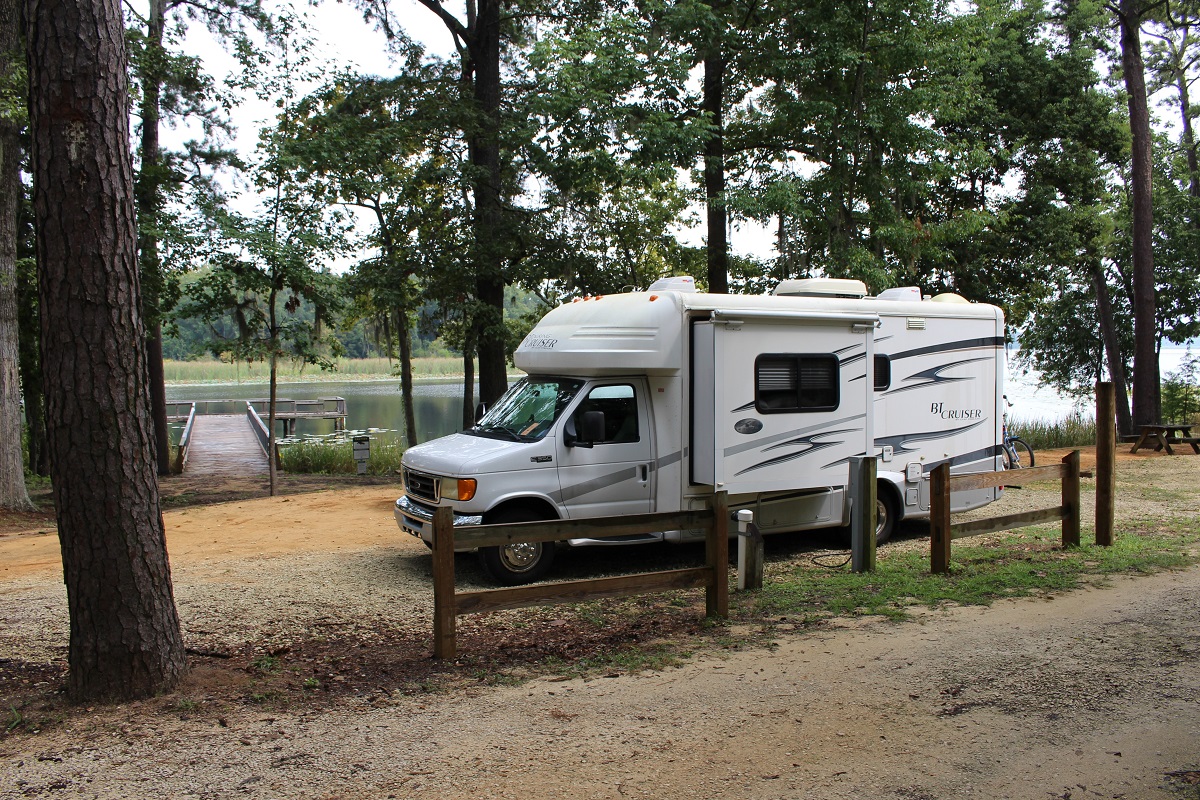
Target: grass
{"points": [[1075, 430], [213, 371], [1017, 564], [322, 457]]}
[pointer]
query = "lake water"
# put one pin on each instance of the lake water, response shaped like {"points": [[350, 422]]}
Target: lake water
{"points": [[376, 404], [369, 404], [1032, 400]]}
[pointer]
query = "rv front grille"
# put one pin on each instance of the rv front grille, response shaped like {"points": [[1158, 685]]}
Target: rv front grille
{"points": [[419, 484]]}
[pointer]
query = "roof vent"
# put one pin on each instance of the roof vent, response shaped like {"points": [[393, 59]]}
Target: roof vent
{"points": [[822, 287], [678, 283], [901, 293]]}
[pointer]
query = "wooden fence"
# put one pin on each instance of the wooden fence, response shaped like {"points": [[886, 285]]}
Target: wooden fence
{"points": [[449, 605], [941, 484]]}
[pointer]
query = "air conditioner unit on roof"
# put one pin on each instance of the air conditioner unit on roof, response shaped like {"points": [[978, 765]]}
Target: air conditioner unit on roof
{"points": [[821, 287]]}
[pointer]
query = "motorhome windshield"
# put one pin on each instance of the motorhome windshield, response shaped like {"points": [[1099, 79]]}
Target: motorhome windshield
{"points": [[527, 411]]}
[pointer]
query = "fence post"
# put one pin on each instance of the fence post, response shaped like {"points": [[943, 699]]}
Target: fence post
{"points": [[750, 552], [444, 644], [1106, 462], [1070, 500], [863, 509], [939, 519], [716, 594]]}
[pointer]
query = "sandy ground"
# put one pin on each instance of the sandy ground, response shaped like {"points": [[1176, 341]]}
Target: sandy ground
{"points": [[1091, 694]]}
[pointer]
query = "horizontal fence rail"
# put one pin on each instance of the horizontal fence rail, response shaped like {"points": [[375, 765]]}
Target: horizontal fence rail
{"points": [[941, 532], [448, 605]]}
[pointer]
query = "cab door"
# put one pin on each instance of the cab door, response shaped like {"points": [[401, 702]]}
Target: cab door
{"points": [[615, 474]]}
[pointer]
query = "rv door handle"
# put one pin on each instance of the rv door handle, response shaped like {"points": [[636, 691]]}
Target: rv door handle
{"points": [[643, 473]]}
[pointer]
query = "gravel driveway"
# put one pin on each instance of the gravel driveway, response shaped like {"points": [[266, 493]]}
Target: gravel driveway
{"points": [[1091, 694]]}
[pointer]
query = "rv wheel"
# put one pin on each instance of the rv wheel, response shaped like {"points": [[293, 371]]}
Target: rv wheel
{"points": [[885, 515], [519, 563]]}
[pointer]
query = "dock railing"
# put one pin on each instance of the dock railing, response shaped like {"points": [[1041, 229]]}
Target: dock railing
{"points": [[184, 439]]}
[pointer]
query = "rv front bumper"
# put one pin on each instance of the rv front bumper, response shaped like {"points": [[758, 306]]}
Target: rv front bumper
{"points": [[417, 519]]}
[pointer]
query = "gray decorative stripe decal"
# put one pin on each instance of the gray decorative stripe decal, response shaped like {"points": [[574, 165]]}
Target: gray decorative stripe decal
{"points": [[900, 442], [809, 443], [934, 376], [625, 473], [964, 344], [779, 437], [620, 475]]}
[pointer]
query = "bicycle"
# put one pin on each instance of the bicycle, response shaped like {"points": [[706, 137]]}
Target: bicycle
{"points": [[1014, 446]]}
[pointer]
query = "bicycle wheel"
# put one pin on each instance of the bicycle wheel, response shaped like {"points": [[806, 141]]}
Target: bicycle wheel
{"points": [[1023, 452]]}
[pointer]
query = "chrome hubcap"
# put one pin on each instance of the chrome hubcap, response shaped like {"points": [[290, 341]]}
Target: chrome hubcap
{"points": [[522, 556]]}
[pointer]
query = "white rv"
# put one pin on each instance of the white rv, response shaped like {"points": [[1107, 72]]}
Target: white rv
{"points": [[651, 401]]}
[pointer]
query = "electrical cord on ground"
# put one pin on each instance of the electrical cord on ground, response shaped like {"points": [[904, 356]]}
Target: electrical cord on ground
{"points": [[817, 560]]}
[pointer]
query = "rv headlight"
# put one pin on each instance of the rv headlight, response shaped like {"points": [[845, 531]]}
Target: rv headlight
{"points": [[460, 489]]}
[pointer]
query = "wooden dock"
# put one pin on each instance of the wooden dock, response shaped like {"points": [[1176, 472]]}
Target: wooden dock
{"points": [[234, 444], [224, 444]]}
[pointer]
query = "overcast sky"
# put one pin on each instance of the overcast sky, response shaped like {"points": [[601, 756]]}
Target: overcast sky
{"points": [[344, 39]]}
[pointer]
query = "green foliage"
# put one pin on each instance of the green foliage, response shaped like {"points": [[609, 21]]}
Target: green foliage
{"points": [[316, 456], [267, 267], [1181, 392]]}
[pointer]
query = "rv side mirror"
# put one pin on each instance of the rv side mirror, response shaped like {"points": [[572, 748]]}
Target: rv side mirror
{"points": [[593, 430], [480, 410]]}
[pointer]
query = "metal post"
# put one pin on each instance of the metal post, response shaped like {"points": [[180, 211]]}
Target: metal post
{"points": [[361, 447], [750, 552]]}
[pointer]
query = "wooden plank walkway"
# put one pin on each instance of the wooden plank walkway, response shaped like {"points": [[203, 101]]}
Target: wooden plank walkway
{"points": [[224, 444]]}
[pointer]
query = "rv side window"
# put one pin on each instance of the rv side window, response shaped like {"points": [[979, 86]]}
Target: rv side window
{"points": [[792, 383], [883, 373], [620, 413]]}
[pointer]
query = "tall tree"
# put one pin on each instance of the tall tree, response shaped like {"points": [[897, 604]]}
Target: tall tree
{"points": [[386, 147], [847, 90], [478, 41], [171, 86], [269, 269], [12, 114], [125, 636], [1147, 398]]}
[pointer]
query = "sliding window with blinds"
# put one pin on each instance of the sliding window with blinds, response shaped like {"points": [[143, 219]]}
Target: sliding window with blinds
{"points": [[791, 383]]}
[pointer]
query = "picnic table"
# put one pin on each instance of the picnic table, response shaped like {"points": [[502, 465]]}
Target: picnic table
{"points": [[1163, 436]]}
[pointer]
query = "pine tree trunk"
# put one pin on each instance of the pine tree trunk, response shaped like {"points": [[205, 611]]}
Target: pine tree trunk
{"points": [[12, 467], [468, 407], [1146, 388], [488, 224], [125, 639], [714, 173], [148, 193], [406, 377]]}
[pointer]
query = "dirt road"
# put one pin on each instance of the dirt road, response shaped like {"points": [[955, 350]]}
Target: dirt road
{"points": [[1092, 694]]}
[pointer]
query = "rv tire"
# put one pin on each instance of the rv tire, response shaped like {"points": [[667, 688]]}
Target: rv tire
{"points": [[515, 564], [886, 513]]}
